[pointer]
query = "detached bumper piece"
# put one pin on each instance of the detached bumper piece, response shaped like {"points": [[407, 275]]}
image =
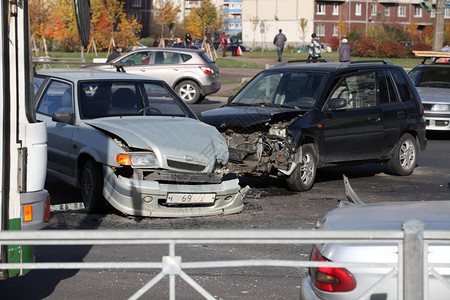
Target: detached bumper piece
{"points": [[154, 199]]}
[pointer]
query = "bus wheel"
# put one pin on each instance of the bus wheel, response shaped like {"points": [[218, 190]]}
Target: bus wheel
{"points": [[92, 187]]}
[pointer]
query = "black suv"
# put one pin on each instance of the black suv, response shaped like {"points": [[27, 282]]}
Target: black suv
{"points": [[293, 118]]}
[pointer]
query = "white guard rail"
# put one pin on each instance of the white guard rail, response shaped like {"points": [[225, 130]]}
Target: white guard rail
{"points": [[412, 268]]}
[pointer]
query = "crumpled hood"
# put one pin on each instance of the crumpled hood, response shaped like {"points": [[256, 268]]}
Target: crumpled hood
{"points": [[182, 139], [247, 116], [434, 95]]}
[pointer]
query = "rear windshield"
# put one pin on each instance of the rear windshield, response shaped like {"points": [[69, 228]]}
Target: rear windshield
{"points": [[206, 57]]}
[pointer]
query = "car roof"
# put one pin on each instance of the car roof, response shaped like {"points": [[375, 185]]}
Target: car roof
{"points": [[330, 66], [389, 215], [87, 74], [172, 49]]}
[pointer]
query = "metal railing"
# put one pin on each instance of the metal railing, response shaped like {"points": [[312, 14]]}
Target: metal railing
{"points": [[412, 268]]}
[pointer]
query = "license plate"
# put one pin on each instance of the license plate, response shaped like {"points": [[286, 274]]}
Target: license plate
{"points": [[190, 198]]}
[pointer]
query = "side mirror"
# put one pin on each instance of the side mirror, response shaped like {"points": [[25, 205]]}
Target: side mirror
{"points": [[63, 117], [230, 98], [336, 103], [83, 14]]}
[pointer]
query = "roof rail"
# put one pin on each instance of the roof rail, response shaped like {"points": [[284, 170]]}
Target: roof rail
{"points": [[384, 61], [304, 61]]}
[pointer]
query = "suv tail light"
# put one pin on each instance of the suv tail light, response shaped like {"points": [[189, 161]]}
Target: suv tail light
{"points": [[206, 70], [330, 279]]}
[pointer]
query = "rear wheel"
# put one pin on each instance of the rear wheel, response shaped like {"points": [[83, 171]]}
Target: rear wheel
{"points": [[92, 187], [189, 91], [302, 179], [405, 156]]}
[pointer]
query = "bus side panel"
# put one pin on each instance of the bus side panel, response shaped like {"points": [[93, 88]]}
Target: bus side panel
{"points": [[17, 253]]}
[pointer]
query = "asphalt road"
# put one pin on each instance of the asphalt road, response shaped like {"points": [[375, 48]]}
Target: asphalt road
{"points": [[269, 206]]}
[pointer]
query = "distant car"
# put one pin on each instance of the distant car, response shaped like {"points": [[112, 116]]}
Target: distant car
{"points": [[432, 82], [354, 283], [190, 72], [296, 117], [130, 140]]}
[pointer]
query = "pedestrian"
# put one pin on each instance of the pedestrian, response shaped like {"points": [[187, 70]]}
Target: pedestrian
{"points": [[114, 54], [279, 41], [188, 40], [315, 49], [224, 43], [446, 47], [234, 40], [156, 43], [178, 43], [344, 51]]}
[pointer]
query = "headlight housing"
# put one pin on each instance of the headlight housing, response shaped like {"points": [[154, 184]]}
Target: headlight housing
{"points": [[137, 159], [440, 107]]}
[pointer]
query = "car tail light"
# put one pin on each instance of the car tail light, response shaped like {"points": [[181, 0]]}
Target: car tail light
{"points": [[330, 279], [206, 70]]}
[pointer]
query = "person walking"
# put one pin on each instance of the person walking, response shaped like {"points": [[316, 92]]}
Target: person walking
{"points": [[114, 54], [224, 43], [279, 41], [344, 51], [234, 40], [315, 49]]}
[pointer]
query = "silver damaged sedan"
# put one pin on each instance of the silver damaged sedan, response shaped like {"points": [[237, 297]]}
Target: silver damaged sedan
{"points": [[130, 141]]}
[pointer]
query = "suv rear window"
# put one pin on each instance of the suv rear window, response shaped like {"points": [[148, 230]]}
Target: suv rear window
{"points": [[206, 57], [186, 57]]}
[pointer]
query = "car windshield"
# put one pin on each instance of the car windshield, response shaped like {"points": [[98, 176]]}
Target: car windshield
{"points": [[431, 77], [98, 99], [296, 89]]}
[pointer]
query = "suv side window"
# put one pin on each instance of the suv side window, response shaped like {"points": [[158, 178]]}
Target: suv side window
{"points": [[386, 90], [359, 90], [402, 86]]}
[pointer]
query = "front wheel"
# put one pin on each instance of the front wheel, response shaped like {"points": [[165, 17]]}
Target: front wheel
{"points": [[92, 187], [302, 179], [189, 91], [404, 159]]}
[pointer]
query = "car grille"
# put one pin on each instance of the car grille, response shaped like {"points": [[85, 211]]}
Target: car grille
{"points": [[185, 166]]}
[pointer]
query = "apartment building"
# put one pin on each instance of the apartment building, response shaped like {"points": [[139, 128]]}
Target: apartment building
{"points": [[359, 15]]}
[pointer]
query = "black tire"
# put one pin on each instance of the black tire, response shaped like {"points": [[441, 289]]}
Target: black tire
{"points": [[302, 179], [404, 159], [189, 91], [92, 187]]}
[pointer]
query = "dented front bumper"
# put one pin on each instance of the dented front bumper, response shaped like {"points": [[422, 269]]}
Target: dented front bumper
{"points": [[148, 198]]}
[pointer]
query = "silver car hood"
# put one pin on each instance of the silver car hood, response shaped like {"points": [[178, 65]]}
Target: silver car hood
{"points": [[177, 138], [433, 94]]}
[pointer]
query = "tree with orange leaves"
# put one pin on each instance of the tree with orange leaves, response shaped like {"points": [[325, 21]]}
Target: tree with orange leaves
{"points": [[166, 13]]}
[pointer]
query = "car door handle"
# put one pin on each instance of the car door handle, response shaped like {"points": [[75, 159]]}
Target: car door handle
{"points": [[175, 69], [143, 70], [374, 119]]}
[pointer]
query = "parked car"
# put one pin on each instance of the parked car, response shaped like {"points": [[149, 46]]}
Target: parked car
{"points": [[131, 140], [432, 81], [190, 72], [296, 117], [355, 283]]}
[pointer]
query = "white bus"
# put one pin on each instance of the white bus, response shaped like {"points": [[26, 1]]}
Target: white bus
{"points": [[24, 203]]}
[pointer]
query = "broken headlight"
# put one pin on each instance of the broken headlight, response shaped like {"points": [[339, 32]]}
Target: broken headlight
{"points": [[138, 159]]}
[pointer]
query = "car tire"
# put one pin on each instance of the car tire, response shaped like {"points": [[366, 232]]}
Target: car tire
{"points": [[189, 91], [404, 159], [92, 187], [302, 179]]}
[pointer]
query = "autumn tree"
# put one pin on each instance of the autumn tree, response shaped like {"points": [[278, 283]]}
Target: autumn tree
{"points": [[166, 13], [203, 20], [55, 20]]}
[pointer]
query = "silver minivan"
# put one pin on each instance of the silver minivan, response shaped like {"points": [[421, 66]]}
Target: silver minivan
{"points": [[190, 72]]}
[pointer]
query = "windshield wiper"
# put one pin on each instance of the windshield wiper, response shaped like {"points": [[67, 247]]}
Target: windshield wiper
{"points": [[277, 105]]}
